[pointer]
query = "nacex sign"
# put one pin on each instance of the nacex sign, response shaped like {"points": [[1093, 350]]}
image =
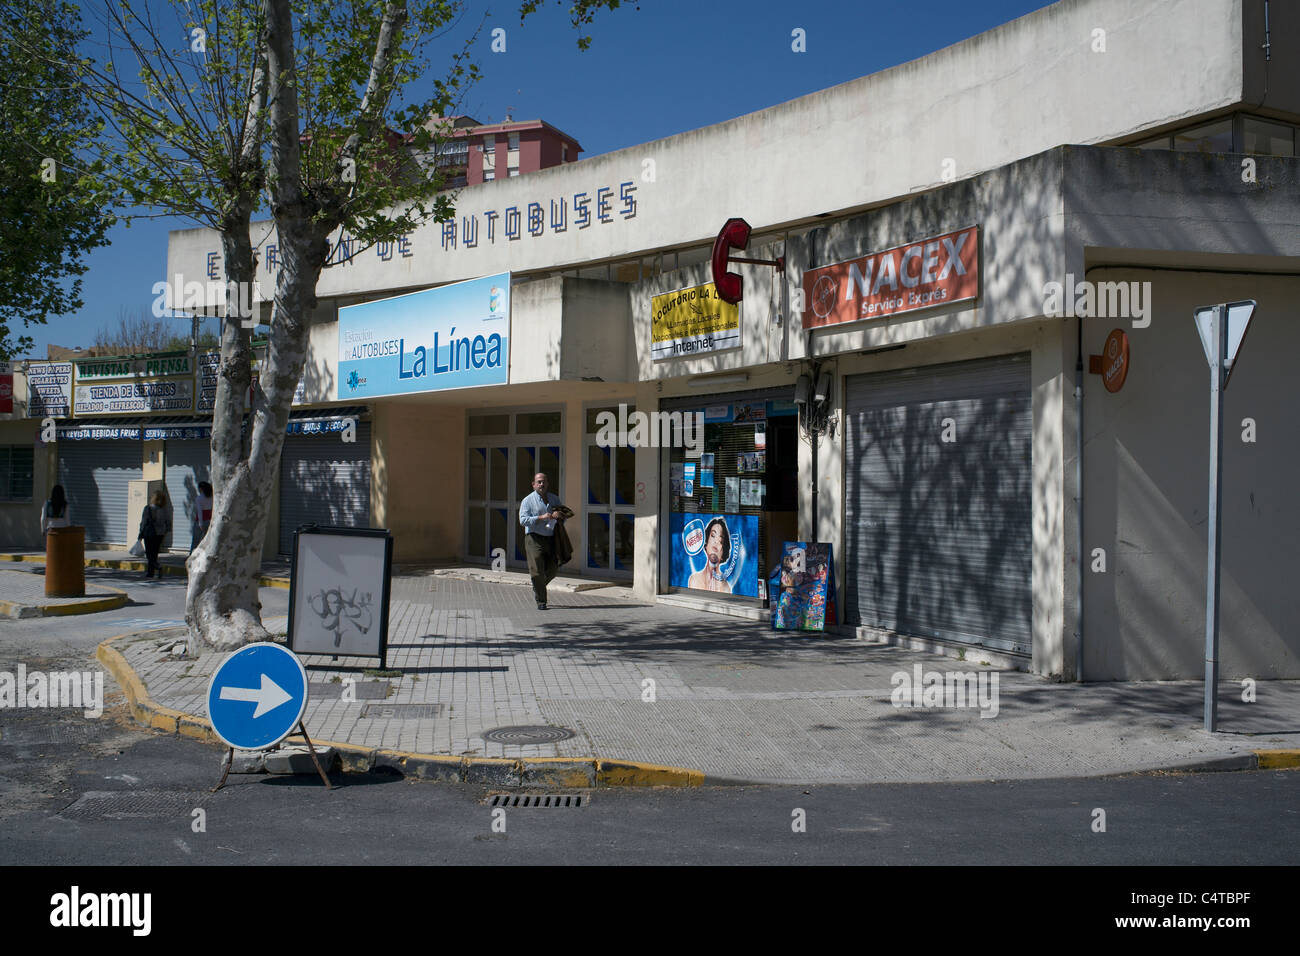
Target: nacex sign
{"points": [[920, 275]]}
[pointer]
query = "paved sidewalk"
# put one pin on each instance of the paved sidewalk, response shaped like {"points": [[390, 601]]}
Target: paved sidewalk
{"points": [[22, 595], [732, 699]]}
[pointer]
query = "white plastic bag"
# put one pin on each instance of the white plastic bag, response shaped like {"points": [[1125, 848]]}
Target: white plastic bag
{"points": [[137, 549]]}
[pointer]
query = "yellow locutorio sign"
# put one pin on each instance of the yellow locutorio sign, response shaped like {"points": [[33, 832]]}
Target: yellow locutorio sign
{"points": [[691, 321]]}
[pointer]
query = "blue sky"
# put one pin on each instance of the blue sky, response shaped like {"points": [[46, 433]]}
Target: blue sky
{"points": [[654, 69]]}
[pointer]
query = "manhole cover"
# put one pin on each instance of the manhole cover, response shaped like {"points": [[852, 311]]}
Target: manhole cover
{"points": [[131, 805], [363, 690], [401, 711], [528, 735]]}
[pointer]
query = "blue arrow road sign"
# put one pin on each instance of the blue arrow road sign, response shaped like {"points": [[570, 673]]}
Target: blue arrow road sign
{"points": [[257, 696]]}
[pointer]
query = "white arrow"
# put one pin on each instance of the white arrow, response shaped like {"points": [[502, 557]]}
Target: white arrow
{"points": [[268, 697]]}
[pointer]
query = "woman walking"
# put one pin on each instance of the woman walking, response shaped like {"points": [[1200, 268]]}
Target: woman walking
{"points": [[202, 515], [155, 524], [56, 513]]}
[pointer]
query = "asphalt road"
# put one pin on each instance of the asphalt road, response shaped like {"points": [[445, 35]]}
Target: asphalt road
{"points": [[77, 791]]}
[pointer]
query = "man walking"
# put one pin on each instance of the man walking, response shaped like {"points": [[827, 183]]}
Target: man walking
{"points": [[538, 513]]}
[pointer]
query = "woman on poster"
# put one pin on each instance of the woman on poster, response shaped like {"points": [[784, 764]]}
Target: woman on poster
{"points": [[717, 550]]}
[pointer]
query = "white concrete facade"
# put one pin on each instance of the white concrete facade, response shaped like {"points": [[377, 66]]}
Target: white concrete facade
{"points": [[1029, 115]]}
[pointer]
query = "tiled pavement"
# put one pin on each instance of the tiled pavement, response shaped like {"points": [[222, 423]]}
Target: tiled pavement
{"points": [[731, 697]]}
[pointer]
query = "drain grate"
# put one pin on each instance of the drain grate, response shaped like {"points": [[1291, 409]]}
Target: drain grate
{"points": [[132, 805], [365, 690], [559, 800], [71, 731], [401, 711], [528, 735]]}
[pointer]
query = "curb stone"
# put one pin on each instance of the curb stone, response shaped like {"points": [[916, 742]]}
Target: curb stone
{"points": [[351, 758]]}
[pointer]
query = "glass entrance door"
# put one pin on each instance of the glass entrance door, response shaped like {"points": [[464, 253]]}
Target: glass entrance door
{"points": [[504, 451], [611, 504]]}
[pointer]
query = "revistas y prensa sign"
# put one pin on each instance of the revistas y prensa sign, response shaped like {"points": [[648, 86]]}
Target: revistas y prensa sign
{"points": [[920, 275]]}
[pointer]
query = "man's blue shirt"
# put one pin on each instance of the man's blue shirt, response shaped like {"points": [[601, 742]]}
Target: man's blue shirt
{"points": [[531, 510]]}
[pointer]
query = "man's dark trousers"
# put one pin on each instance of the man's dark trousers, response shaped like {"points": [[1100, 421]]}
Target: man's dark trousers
{"points": [[542, 563]]}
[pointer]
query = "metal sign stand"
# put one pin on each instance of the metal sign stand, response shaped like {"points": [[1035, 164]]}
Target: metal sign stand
{"points": [[230, 760], [1222, 329]]}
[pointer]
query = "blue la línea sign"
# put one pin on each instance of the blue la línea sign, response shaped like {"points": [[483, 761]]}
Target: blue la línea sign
{"points": [[257, 696], [454, 336]]}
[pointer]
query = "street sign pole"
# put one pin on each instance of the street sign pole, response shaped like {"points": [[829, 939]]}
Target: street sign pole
{"points": [[1222, 329], [1218, 344]]}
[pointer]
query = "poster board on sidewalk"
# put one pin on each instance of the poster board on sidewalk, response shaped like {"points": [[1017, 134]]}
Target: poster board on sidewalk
{"points": [[339, 590], [803, 597]]}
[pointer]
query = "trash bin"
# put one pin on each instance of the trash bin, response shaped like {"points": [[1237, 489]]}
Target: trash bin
{"points": [[65, 562]]}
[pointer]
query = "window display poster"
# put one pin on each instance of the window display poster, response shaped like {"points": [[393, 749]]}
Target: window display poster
{"points": [[714, 552], [760, 437], [688, 471], [717, 413], [751, 492], [688, 488], [803, 597], [706, 477], [751, 412], [733, 495], [706, 460]]}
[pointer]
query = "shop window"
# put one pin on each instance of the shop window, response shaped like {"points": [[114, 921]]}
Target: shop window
{"points": [[489, 425], [1160, 142], [743, 480], [549, 464], [538, 423], [16, 469], [477, 530], [1211, 138], [526, 469], [598, 469], [478, 474], [497, 490], [1267, 139], [593, 416]]}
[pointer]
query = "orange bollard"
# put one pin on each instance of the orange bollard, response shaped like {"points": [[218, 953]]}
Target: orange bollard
{"points": [[65, 562]]}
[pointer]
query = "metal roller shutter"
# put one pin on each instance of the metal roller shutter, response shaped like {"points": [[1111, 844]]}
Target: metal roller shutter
{"points": [[188, 463], [937, 533], [96, 476], [324, 481]]}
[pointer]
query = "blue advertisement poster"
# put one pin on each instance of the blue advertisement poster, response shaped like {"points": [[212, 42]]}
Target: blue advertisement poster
{"points": [[455, 336], [714, 552], [803, 590]]}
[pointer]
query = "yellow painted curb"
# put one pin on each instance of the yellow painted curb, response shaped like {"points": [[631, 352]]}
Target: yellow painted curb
{"points": [[134, 564], [108, 602], [568, 772], [1277, 759], [631, 773]]}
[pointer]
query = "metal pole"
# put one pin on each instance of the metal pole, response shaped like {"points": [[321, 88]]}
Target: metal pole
{"points": [[1219, 347]]}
